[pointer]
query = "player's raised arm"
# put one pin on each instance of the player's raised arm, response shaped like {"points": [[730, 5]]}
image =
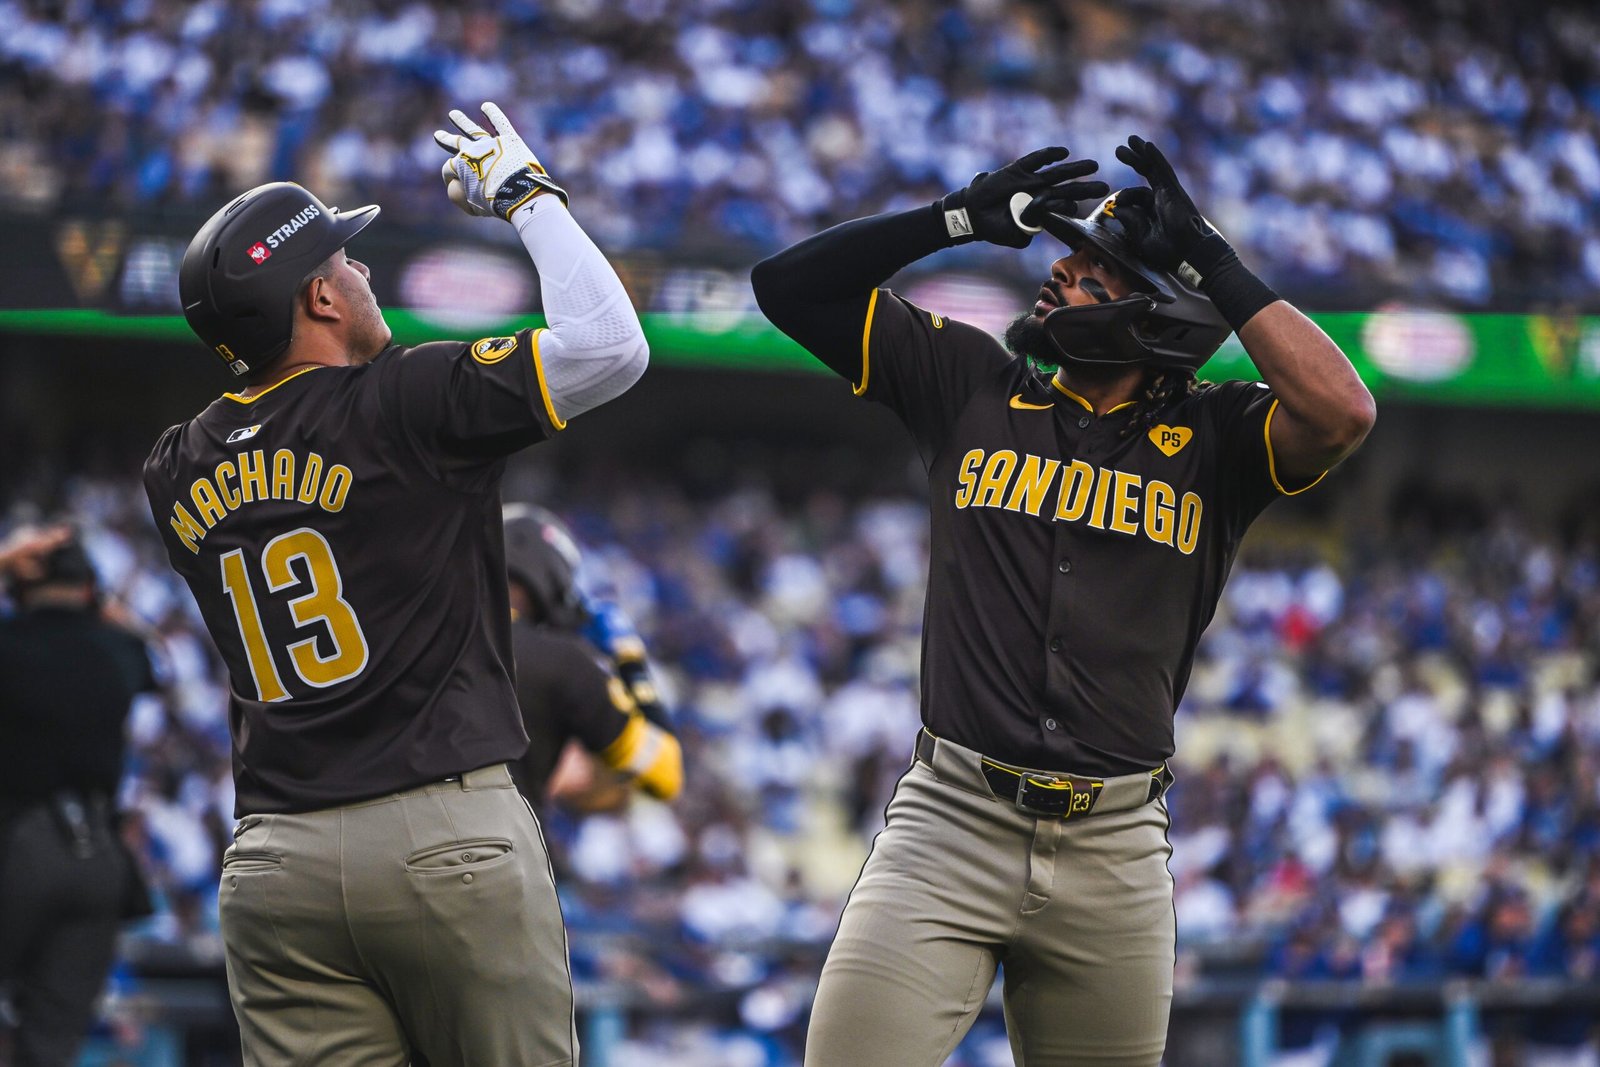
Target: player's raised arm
{"points": [[818, 291], [1324, 410], [594, 348]]}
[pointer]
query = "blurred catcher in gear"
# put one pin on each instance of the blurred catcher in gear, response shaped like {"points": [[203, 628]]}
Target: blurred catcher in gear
{"points": [[583, 681], [388, 897], [1087, 497], [67, 679]]}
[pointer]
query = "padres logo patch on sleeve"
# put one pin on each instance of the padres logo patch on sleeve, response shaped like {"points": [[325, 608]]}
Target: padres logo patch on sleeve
{"points": [[493, 349]]}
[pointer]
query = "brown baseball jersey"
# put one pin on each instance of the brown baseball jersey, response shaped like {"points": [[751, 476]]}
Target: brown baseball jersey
{"points": [[1074, 563], [341, 534]]}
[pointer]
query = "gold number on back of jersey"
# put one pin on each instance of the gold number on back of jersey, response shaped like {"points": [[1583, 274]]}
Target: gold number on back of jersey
{"points": [[323, 601]]}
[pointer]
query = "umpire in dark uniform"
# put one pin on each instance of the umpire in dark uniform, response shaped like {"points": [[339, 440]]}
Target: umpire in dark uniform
{"points": [[581, 678], [67, 678]]}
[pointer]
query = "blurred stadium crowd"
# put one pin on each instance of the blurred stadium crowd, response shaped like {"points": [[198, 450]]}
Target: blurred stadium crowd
{"points": [[1389, 758], [1444, 152]]}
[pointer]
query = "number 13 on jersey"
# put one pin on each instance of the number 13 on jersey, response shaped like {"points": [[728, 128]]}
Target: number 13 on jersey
{"points": [[322, 602]]}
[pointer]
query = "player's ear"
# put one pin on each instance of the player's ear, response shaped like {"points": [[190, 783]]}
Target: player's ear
{"points": [[320, 301]]}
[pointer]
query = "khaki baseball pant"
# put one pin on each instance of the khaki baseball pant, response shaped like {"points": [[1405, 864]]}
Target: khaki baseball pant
{"points": [[418, 926], [1077, 911]]}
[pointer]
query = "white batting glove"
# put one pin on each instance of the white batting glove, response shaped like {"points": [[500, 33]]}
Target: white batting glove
{"points": [[491, 173]]}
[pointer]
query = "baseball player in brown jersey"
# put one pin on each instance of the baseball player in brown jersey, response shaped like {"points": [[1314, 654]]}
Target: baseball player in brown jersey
{"points": [[578, 683], [387, 897], [1083, 524]]}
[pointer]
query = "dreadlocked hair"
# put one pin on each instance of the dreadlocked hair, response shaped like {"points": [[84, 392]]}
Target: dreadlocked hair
{"points": [[1164, 389]]}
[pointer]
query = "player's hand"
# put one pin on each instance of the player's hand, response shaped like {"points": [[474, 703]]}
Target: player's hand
{"points": [[1005, 207], [1164, 227], [491, 173]]}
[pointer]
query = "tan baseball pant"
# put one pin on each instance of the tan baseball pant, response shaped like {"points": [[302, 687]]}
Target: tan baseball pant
{"points": [[1078, 912], [418, 926]]}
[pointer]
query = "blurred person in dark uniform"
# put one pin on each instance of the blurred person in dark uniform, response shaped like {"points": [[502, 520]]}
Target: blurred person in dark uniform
{"points": [[67, 678], [596, 725]]}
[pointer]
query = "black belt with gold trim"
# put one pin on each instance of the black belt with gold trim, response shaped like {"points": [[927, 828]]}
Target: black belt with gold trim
{"points": [[1038, 793]]}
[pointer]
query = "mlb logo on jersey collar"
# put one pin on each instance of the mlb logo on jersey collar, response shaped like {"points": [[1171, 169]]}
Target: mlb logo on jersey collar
{"points": [[1170, 439]]}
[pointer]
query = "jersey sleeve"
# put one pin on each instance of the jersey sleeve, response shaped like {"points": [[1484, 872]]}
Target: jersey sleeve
{"points": [[923, 366], [1240, 416], [589, 699], [459, 407]]}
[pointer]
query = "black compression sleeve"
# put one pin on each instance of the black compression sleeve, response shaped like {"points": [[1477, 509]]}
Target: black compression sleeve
{"points": [[817, 291]]}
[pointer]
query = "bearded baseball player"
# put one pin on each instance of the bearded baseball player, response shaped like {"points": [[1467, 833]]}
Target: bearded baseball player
{"points": [[387, 898], [1083, 524]]}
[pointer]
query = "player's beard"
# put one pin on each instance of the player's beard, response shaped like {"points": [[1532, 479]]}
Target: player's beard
{"points": [[1025, 337], [369, 334]]}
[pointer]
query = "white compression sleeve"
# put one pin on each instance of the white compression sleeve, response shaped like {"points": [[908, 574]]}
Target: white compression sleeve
{"points": [[594, 348]]}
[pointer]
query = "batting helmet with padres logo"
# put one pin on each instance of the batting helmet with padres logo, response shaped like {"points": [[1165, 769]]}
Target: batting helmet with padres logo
{"points": [[241, 272]]}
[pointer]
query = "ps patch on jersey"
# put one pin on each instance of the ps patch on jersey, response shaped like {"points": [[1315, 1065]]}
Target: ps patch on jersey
{"points": [[493, 349], [1170, 439], [244, 433]]}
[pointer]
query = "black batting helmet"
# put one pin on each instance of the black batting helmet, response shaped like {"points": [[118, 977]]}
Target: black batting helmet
{"points": [[1166, 322], [542, 556], [241, 272]]}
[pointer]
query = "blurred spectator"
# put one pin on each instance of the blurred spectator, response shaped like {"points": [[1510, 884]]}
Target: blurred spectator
{"points": [[1440, 151]]}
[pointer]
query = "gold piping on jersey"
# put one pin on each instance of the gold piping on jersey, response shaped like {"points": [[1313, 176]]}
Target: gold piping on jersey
{"points": [[544, 388], [270, 388], [1088, 406], [254, 477], [1272, 462], [866, 336]]}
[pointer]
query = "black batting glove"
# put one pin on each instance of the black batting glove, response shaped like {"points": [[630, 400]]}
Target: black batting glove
{"points": [[1005, 207], [1163, 226]]}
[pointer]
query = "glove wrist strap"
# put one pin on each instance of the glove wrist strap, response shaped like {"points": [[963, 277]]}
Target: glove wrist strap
{"points": [[1237, 293], [521, 187], [952, 212]]}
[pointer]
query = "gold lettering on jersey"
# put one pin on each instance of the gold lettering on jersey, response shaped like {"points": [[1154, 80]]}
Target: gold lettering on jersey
{"points": [[336, 488], [1125, 501], [967, 475], [1032, 484], [996, 474], [1075, 486], [1105, 499], [204, 495], [188, 531], [1160, 511], [214, 498], [1097, 513], [252, 476], [1189, 523], [230, 495], [283, 475], [309, 479]]}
